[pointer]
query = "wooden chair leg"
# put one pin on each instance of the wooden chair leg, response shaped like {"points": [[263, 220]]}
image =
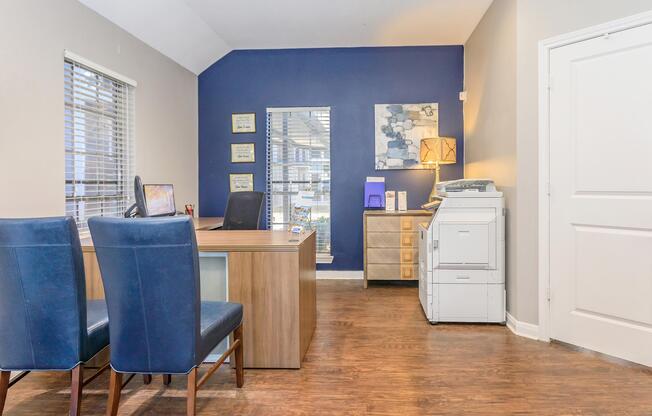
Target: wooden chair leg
{"points": [[76, 385], [115, 386], [147, 378], [192, 392], [239, 357], [167, 379], [4, 386]]}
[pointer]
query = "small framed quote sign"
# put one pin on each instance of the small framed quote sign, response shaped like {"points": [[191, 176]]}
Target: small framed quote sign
{"points": [[240, 182], [243, 122], [243, 152]]}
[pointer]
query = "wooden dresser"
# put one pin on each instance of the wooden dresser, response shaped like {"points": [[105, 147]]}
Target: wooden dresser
{"points": [[391, 244]]}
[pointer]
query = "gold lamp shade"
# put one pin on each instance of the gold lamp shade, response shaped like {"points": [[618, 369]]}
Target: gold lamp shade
{"points": [[438, 150]]}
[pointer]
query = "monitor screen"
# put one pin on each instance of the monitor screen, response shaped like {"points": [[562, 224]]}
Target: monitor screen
{"points": [[159, 200]]}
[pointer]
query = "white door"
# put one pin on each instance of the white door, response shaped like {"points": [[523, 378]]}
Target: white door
{"points": [[601, 194]]}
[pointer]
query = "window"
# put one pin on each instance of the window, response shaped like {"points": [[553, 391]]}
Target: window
{"points": [[98, 141], [299, 170]]}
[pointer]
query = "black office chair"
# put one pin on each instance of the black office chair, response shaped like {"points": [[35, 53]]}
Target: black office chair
{"points": [[243, 211]]}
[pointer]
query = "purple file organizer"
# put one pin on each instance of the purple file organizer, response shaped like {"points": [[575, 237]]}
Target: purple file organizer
{"points": [[374, 195]]}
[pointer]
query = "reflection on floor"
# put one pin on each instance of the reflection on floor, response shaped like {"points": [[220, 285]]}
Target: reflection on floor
{"points": [[374, 354]]}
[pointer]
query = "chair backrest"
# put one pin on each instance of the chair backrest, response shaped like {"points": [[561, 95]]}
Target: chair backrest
{"points": [[42, 294], [243, 211], [150, 271]]}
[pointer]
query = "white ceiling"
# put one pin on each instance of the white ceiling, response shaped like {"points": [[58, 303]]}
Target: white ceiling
{"points": [[196, 33]]}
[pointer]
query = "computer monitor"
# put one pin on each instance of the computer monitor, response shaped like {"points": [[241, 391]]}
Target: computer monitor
{"points": [[159, 199]]}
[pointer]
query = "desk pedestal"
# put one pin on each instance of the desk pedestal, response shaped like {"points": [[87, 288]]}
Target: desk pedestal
{"points": [[275, 283]]}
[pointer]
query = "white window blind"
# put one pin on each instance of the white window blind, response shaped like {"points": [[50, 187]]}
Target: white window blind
{"points": [[98, 118], [298, 161]]}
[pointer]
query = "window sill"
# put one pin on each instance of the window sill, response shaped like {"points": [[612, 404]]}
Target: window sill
{"points": [[324, 259]]}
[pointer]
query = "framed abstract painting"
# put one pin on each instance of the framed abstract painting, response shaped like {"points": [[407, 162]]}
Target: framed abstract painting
{"points": [[399, 130]]}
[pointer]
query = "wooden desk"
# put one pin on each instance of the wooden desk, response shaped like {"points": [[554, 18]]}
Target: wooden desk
{"points": [[207, 223], [272, 273]]}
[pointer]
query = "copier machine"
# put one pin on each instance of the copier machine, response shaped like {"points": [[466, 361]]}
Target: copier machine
{"points": [[462, 254]]}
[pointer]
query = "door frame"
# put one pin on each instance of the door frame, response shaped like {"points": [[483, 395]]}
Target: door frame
{"points": [[545, 47]]}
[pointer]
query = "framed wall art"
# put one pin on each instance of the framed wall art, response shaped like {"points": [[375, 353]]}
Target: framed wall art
{"points": [[243, 122], [399, 130], [243, 152], [241, 182]]}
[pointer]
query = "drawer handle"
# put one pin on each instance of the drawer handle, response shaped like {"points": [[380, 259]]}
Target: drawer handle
{"points": [[462, 277]]}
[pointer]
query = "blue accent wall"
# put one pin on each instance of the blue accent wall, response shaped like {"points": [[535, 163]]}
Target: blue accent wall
{"points": [[350, 81]]}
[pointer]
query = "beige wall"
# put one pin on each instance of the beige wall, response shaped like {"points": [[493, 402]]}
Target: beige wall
{"points": [[33, 36], [538, 20], [501, 116], [490, 115]]}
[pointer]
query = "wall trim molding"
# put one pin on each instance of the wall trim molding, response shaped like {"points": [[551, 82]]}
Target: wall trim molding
{"points": [[340, 275], [522, 329], [97, 67], [545, 47]]}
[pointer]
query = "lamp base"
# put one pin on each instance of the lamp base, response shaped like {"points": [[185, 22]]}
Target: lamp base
{"points": [[433, 193]]}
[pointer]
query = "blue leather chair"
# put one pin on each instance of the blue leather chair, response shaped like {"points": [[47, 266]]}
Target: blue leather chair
{"points": [[46, 324], [158, 324]]}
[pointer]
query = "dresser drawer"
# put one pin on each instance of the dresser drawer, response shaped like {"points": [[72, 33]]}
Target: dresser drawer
{"points": [[392, 240], [383, 223], [409, 239], [392, 255], [410, 272], [392, 272], [409, 255], [410, 223]]}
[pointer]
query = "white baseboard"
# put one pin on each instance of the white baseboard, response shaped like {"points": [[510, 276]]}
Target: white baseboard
{"points": [[522, 329], [340, 274]]}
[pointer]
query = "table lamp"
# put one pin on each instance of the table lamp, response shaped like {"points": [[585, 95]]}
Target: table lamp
{"points": [[436, 151]]}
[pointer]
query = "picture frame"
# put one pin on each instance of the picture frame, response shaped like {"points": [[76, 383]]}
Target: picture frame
{"points": [[243, 152], [243, 123], [399, 129], [241, 182]]}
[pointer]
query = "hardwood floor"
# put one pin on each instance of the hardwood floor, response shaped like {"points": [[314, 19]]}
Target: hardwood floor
{"points": [[373, 353]]}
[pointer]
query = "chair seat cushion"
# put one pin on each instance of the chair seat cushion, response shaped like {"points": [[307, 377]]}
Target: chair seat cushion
{"points": [[218, 319], [97, 321]]}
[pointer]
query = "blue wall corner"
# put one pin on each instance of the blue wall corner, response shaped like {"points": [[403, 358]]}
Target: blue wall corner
{"points": [[350, 81]]}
